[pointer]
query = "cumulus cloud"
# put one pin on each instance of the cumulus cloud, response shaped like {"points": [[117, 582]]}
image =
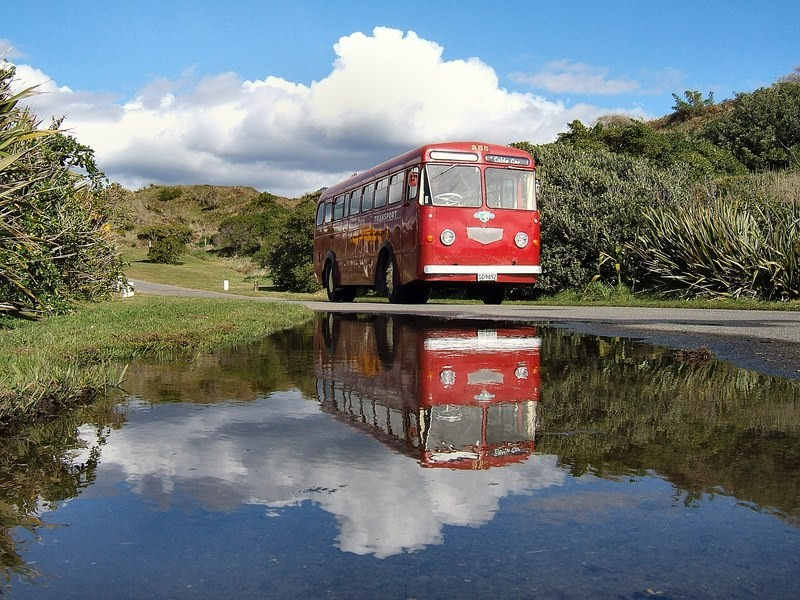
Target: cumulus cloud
{"points": [[568, 77], [386, 92], [281, 451]]}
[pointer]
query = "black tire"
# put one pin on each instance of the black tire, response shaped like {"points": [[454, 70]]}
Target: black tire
{"points": [[329, 282], [493, 294], [341, 294], [389, 279]]}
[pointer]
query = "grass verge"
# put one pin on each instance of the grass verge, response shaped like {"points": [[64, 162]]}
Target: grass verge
{"points": [[49, 365], [204, 271]]}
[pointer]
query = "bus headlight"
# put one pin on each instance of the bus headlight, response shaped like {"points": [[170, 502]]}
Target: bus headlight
{"points": [[521, 239], [447, 377], [448, 236]]}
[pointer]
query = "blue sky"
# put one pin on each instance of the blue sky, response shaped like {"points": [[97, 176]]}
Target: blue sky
{"points": [[579, 59]]}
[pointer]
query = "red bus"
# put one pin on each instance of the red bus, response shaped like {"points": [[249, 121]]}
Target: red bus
{"points": [[457, 213], [454, 395]]}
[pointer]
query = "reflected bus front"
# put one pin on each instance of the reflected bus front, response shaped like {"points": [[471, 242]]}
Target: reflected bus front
{"points": [[451, 395]]}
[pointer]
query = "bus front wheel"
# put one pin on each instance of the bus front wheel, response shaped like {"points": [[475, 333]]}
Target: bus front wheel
{"points": [[389, 279]]}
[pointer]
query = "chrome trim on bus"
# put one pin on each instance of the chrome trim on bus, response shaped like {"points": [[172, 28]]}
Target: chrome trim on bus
{"points": [[475, 269]]}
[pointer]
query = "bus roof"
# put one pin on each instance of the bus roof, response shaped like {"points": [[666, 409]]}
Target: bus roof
{"points": [[418, 155]]}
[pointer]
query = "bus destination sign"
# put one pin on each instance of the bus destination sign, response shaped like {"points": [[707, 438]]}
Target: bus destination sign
{"points": [[507, 160]]}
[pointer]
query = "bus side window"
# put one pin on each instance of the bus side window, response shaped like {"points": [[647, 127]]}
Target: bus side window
{"points": [[338, 208], [413, 183], [355, 202], [366, 199], [320, 213], [328, 212], [381, 191], [396, 188]]}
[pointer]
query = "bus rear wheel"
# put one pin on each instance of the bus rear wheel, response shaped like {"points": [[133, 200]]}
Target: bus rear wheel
{"points": [[493, 294], [342, 294]]}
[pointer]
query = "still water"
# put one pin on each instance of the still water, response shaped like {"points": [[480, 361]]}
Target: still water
{"points": [[408, 458]]}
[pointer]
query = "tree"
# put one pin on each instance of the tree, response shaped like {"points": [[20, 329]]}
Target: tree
{"points": [[167, 242], [692, 104], [290, 259]]}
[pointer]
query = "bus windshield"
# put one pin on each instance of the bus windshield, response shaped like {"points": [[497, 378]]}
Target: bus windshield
{"points": [[452, 185], [510, 188]]}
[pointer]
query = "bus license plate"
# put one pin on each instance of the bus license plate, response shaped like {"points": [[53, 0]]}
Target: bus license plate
{"points": [[487, 276]]}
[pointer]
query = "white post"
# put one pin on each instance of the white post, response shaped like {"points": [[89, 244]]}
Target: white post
{"points": [[225, 284]]}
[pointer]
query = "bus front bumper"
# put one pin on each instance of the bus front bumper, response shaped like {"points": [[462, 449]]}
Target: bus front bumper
{"points": [[482, 269]]}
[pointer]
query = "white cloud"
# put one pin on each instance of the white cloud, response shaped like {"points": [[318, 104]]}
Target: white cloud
{"points": [[281, 451], [387, 92], [568, 77], [8, 51]]}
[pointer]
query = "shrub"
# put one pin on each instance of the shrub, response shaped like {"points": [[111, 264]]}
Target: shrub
{"points": [[167, 250], [167, 242], [290, 258], [592, 203], [165, 194], [722, 246], [763, 128], [248, 233], [664, 148], [55, 237]]}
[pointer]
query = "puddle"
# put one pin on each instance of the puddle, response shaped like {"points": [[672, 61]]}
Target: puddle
{"points": [[367, 456]]}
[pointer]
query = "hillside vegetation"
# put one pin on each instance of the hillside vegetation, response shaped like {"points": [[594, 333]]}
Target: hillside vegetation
{"points": [[703, 202]]}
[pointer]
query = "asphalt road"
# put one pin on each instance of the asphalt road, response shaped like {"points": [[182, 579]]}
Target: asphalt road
{"points": [[767, 341]]}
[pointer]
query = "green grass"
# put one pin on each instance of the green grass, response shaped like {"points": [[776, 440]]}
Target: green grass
{"points": [[65, 360], [204, 271]]}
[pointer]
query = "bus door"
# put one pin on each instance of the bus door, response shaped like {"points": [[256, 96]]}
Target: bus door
{"points": [[410, 233]]}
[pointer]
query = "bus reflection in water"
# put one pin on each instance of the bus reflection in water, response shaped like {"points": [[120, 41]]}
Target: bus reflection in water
{"points": [[454, 395]]}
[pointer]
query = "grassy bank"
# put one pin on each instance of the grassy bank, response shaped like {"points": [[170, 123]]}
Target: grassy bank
{"points": [[205, 271], [64, 360]]}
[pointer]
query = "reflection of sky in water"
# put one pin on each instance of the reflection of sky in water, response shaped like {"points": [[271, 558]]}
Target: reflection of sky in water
{"points": [[281, 451], [276, 499], [279, 496]]}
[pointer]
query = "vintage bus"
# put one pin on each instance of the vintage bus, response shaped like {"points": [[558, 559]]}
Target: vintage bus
{"points": [[454, 395], [449, 214]]}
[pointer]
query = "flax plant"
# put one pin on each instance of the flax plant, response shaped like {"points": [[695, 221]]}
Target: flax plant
{"points": [[721, 246]]}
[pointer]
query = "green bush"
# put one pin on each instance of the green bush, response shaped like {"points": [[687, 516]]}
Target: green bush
{"points": [[250, 233], [56, 244], [699, 156], [156, 232], [165, 194], [763, 127], [167, 250], [722, 246], [592, 203], [290, 258]]}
